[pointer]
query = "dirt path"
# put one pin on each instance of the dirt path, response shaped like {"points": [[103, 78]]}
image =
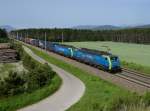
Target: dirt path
{"points": [[70, 92]]}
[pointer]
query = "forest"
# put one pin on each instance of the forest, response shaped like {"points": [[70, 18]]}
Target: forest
{"points": [[137, 35], [3, 36]]}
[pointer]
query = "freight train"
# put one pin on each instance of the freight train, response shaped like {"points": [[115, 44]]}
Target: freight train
{"points": [[100, 59]]}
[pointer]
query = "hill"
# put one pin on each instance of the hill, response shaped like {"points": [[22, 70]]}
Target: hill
{"points": [[8, 28], [108, 27], [97, 27], [143, 26]]}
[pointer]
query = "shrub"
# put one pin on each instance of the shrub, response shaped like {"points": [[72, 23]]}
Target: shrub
{"points": [[19, 49], [38, 75], [12, 85], [28, 62]]}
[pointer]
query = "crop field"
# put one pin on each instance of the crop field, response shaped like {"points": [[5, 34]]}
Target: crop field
{"points": [[6, 67], [135, 53]]}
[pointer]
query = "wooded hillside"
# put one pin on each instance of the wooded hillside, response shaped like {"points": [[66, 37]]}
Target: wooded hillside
{"points": [[127, 35]]}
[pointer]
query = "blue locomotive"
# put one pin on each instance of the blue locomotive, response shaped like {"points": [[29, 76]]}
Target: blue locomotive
{"points": [[100, 59]]}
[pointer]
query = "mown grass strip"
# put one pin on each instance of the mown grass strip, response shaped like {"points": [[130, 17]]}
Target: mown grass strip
{"points": [[99, 95]]}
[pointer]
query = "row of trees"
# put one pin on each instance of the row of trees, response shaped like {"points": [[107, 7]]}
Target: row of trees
{"points": [[69, 35], [3, 33], [3, 36]]}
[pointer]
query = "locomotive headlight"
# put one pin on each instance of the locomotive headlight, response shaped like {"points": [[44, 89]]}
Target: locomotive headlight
{"points": [[109, 61]]}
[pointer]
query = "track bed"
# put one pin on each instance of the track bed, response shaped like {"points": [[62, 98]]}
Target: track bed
{"points": [[122, 82]]}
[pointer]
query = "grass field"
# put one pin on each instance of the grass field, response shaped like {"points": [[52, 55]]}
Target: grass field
{"points": [[135, 53], [99, 95]]}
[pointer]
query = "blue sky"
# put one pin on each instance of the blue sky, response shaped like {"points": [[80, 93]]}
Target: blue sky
{"points": [[67, 13]]}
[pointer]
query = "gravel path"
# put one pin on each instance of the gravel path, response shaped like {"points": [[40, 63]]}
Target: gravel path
{"points": [[104, 75], [69, 93]]}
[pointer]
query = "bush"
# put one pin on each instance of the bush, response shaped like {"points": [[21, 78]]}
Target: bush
{"points": [[28, 62], [17, 47], [44, 74], [38, 75], [3, 36], [4, 40], [12, 85]]}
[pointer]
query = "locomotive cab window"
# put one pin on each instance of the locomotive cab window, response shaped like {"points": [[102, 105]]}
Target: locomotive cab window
{"points": [[113, 58]]}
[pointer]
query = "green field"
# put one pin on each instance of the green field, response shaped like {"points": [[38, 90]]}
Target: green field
{"points": [[135, 53]]}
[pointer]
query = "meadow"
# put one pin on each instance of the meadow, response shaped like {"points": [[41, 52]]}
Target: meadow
{"points": [[135, 53], [135, 56]]}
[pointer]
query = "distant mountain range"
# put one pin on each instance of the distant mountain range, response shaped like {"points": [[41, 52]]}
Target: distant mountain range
{"points": [[143, 26], [8, 28], [96, 27], [108, 27]]}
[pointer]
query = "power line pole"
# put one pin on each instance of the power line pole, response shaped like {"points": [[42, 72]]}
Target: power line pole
{"points": [[62, 37], [36, 34], [26, 37], [21, 36], [17, 35], [45, 41]]}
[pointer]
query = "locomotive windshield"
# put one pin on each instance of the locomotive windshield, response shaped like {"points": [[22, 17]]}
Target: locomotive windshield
{"points": [[113, 58]]}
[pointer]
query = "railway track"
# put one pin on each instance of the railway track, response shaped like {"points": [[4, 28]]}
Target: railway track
{"points": [[117, 79], [135, 77]]}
